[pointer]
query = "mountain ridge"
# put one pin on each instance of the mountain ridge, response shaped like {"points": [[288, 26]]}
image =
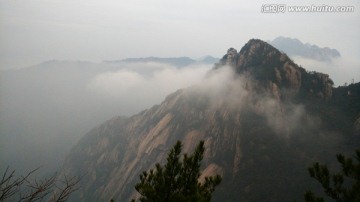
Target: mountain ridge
{"points": [[176, 61]]}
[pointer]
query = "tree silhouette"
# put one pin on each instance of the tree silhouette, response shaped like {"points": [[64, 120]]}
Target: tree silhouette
{"points": [[342, 187], [177, 180], [26, 189]]}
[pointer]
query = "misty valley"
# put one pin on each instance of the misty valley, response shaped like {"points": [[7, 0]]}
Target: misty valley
{"points": [[263, 117]]}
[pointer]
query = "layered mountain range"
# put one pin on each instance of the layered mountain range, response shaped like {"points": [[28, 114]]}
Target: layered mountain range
{"points": [[176, 61], [263, 118]]}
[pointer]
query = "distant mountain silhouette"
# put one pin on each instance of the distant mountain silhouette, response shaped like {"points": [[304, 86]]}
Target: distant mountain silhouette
{"points": [[294, 47], [175, 61]]}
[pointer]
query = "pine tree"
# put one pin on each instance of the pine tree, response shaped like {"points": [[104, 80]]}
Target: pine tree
{"points": [[342, 187], [177, 180]]}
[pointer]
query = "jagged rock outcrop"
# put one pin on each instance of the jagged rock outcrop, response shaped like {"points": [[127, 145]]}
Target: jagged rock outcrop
{"points": [[263, 118], [228, 59]]}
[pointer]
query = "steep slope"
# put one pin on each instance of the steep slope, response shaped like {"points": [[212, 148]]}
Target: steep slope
{"points": [[264, 119]]}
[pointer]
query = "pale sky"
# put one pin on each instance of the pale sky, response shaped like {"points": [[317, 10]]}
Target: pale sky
{"points": [[33, 31]]}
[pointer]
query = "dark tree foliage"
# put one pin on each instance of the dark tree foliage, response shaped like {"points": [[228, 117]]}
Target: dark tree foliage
{"points": [[177, 180], [342, 187], [25, 189]]}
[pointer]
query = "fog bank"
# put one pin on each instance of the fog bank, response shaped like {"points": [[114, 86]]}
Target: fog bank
{"points": [[46, 109]]}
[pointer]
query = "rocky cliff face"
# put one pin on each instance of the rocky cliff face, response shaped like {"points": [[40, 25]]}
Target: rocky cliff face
{"points": [[261, 117]]}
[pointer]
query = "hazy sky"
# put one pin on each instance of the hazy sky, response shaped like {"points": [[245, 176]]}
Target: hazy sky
{"points": [[33, 31]]}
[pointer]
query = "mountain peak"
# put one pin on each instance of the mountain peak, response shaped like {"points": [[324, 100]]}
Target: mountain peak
{"points": [[257, 42], [258, 53], [253, 53], [256, 45], [273, 71]]}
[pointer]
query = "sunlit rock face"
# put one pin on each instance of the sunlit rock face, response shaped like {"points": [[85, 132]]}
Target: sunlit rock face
{"points": [[263, 118]]}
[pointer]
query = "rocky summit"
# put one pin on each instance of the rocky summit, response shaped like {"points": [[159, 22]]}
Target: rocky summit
{"points": [[264, 120]]}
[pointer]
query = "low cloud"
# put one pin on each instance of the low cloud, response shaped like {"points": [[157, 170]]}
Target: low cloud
{"points": [[142, 85], [46, 109], [223, 86], [225, 89]]}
